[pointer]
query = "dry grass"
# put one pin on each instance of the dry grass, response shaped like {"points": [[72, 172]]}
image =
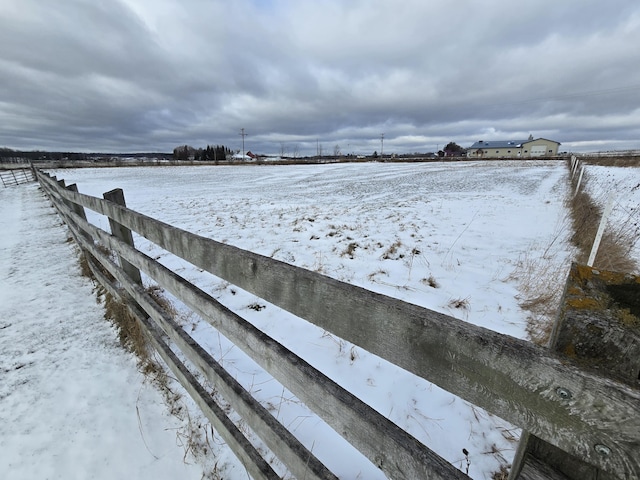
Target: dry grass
{"points": [[130, 333], [392, 251], [431, 281], [541, 280], [609, 161], [459, 303], [194, 436], [350, 250], [502, 474], [614, 251]]}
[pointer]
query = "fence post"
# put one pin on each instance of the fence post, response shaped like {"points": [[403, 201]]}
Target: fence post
{"points": [[69, 204], [601, 227], [598, 328], [122, 233], [579, 181], [77, 209]]}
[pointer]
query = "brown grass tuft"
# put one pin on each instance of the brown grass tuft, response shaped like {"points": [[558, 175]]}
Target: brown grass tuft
{"points": [[130, 332], [350, 250], [392, 252], [502, 474], [459, 303]]}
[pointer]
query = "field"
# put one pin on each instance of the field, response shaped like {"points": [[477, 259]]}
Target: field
{"points": [[467, 239]]}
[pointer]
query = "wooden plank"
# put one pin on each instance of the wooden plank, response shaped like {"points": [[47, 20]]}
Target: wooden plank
{"points": [[123, 233], [233, 437], [536, 470], [511, 378], [77, 209], [286, 447], [257, 466]]}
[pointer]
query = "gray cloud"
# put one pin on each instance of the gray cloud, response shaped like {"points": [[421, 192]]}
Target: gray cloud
{"points": [[148, 75]]}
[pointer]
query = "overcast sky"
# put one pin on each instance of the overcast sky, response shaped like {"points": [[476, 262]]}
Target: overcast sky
{"points": [[149, 75]]}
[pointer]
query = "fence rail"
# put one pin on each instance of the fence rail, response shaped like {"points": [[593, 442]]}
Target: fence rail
{"points": [[508, 377], [16, 176]]}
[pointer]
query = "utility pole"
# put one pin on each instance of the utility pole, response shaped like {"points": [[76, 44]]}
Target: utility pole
{"points": [[381, 145], [243, 135]]}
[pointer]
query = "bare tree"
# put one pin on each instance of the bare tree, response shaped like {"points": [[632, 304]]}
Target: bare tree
{"points": [[336, 151], [296, 150]]}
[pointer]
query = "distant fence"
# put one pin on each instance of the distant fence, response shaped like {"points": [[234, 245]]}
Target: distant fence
{"points": [[585, 415], [17, 176]]}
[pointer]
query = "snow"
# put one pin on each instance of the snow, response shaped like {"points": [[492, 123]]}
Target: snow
{"points": [[446, 236], [72, 403]]}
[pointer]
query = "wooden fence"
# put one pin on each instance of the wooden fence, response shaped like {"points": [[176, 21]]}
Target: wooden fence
{"points": [[588, 415], [16, 176]]}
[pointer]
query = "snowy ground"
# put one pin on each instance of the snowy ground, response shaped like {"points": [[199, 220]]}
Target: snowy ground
{"points": [[72, 403], [447, 236]]}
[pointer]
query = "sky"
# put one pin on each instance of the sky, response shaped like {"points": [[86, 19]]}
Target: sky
{"points": [[300, 76]]}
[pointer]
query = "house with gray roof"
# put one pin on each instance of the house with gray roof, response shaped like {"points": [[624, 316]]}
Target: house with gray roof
{"points": [[530, 148]]}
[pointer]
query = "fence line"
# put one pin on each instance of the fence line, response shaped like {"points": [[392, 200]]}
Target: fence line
{"points": [[16, 176], [511, 378]]}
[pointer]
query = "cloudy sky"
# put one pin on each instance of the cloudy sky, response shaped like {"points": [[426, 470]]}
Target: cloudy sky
{"points": [[149, 75]]}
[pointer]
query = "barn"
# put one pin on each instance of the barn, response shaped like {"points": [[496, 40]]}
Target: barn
{"points": [[538, 147]]}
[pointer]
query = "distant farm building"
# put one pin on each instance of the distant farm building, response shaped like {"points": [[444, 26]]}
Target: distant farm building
{"points": [[539, 147]]}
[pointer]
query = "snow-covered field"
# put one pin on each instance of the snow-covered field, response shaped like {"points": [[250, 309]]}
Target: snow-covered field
{"points": [[446, 236]]}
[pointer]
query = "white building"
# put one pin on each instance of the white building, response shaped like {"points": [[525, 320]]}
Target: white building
{"points": [[539, 147]]}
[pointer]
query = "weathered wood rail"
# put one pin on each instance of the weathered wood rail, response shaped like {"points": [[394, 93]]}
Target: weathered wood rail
{"points": [[16, 176], [570, 406]]}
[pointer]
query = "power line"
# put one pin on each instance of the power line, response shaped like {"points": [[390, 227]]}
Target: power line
{"points": [[243, 135]]}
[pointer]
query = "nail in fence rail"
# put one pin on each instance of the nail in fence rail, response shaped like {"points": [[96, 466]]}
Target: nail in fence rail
{"points": [[508, 377]]}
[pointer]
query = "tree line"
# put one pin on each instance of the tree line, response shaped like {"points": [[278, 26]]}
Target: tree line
{"points": [[8, 153], [214, 154]]}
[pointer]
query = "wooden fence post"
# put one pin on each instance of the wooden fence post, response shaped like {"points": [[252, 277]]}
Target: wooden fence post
{"points": [[598, 327], [70, 205], [77, 209], [601, 227], [579, 181], [123, 233]]}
